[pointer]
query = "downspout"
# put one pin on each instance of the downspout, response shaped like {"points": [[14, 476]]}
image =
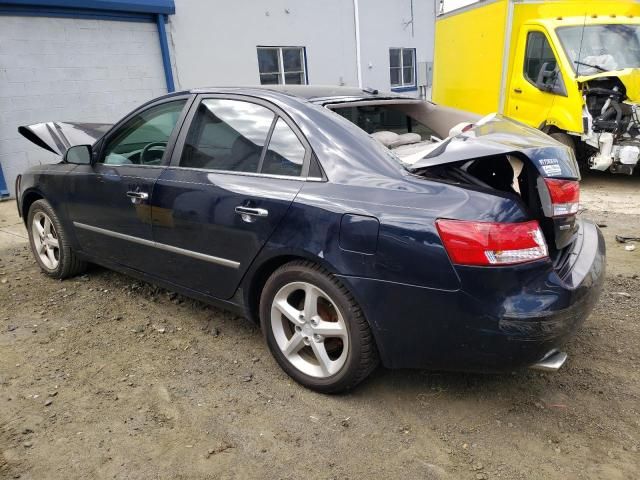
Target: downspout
{"points": [[164, 50], [356, 17]]}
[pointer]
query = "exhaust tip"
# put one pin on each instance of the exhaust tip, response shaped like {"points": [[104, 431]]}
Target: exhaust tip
{"points": [[551, 362]]}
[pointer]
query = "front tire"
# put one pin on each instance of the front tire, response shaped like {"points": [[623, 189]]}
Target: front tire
{"points": [[315, 329], [49, 243]]}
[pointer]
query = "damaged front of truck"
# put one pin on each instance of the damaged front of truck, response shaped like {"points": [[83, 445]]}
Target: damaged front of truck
{"points": [[605, 58]]}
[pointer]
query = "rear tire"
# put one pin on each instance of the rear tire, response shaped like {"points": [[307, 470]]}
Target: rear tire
{"points": [[315, 329], [49, 243]]}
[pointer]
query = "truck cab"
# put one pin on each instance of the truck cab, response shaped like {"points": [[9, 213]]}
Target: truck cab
{"points": [[578, 80], [569, 68]]}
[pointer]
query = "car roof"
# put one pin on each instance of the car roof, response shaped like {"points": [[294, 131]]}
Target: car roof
{"points": [[312, 93]]}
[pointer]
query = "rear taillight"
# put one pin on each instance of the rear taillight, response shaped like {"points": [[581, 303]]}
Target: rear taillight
{"points": [[564, 195], [485, 243]]}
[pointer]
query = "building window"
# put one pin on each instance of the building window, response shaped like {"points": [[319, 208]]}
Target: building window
{"points": [[402, 67], [282, 65]]}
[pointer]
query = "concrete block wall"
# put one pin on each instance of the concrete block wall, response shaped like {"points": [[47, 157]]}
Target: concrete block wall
{"points": [[70, 70]]}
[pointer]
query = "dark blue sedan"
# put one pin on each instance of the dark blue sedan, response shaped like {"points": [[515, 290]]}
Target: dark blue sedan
{"points": [[354, 226]]}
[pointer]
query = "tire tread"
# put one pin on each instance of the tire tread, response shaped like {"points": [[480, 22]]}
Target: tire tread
{"points": [[70, 264], [369, 358]]}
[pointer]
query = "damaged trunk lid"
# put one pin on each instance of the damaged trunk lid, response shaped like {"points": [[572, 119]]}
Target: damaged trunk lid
{"points": [[511, 159]]}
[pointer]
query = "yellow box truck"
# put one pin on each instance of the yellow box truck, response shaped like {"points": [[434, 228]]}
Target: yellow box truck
{"points": [[570, 68]]}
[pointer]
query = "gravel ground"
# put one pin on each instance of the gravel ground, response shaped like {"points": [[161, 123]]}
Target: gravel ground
{"points": [[102, 376]]}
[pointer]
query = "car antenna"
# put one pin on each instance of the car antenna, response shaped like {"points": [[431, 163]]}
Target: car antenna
{"points": [[370, 90]]}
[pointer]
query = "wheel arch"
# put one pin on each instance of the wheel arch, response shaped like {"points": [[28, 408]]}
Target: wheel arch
{"points": [[29, 198], [262, 269], [256, 278]]}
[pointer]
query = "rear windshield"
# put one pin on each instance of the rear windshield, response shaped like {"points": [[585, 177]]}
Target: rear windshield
{"points": [[381, 118]]}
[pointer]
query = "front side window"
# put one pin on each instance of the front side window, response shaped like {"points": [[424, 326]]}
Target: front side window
{"points": [[143, 139], [402, 69], [538, 59], [282, 65]]}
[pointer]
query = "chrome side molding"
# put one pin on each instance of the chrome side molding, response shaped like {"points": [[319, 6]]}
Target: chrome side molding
{"points": [[169, 248]]}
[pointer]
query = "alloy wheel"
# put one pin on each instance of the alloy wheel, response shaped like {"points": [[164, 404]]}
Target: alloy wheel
{"points": [[45, 240], [309, 329]]}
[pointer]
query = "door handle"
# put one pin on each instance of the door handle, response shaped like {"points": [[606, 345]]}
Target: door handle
{"points": [[249, 214], [137, 197], [517, 90]]}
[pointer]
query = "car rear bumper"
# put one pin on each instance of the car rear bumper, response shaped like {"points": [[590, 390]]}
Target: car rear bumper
{"points": [[500, 319]]}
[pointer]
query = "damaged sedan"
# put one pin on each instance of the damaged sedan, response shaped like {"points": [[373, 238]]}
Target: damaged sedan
{"points": [[356, 227]]}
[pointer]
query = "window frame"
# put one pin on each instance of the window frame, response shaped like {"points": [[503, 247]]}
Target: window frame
{"points": [[281, 71], [278, 113], [404, 87], [99, 147]]}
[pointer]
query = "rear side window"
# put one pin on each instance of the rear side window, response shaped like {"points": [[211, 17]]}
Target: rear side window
{"points": [[285, 154], [227, 135], [537, 54], [239, 136]]}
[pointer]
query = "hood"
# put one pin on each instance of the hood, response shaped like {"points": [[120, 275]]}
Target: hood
{"points": [[630, 78], [58, 137], [498, 135]]}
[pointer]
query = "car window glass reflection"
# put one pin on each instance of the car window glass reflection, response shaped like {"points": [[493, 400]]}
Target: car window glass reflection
{"points": [[227, 135], [285, 155], [143, 140]]}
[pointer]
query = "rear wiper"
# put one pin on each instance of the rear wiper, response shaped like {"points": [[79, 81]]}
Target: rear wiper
{"points": [[577, 62]]}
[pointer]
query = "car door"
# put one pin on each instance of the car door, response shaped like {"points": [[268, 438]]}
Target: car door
{"points": [[529, 101], [238, 164], [110, 200]]}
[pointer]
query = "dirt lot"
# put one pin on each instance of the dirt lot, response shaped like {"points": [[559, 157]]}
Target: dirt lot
{"points": [[105, 377]]}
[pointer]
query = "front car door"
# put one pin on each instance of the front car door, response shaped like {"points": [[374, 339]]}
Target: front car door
{"points": [[109, 201], [238, 164], [536, 82]]}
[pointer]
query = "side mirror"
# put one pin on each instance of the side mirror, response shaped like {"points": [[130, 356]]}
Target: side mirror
{"points": [[546, 78], [78, 155]]}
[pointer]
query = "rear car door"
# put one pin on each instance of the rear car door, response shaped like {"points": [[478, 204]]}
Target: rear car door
{"points": [[238, 164], [110, 200]]}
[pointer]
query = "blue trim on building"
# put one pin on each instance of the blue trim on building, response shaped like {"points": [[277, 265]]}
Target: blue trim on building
{"points": [[4, 192], [21, 11], [409, 88], [165, 7], [164, 50]]}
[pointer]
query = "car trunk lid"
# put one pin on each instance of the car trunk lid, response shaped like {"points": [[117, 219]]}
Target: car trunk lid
{"points": [[504, 155]]}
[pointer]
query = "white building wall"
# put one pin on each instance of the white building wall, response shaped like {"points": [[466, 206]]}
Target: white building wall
{"points": [[214, 41], [70, 70], [386, 24]]}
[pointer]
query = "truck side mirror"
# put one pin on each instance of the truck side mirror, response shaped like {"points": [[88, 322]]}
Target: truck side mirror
{"points": [[78, 155], [546, 78]]}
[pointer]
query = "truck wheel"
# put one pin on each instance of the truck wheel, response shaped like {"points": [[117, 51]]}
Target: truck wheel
{"points": [[315, 329], [565, 139], [570, 142], [49, 243]]}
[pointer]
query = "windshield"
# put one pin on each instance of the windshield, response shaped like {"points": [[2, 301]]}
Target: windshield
{"points": [[601, 48]]}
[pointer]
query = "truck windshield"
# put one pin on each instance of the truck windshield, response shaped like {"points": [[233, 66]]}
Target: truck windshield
{"points": [[601, 48]]}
